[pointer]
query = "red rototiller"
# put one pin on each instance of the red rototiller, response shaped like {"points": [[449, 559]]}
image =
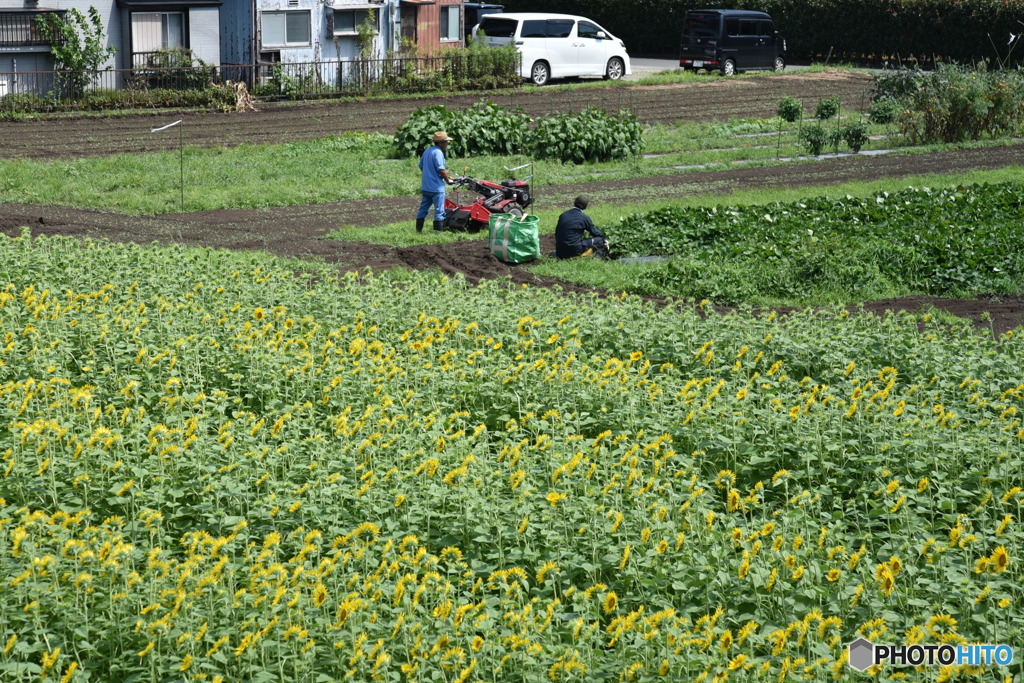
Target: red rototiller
{"points": [[509, 196]]}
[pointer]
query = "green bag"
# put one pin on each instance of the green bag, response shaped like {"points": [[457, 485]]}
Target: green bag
{"points": [[513, 239]]}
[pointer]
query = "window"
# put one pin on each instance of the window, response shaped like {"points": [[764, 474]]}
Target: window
{"points": [[588, 30], [450, 24], [534, 28], [499, 28], [152, 31], [732, 27], [700, 25], [765, 28], [560, 28], [285, 28], [748, 28], [347, 22]]}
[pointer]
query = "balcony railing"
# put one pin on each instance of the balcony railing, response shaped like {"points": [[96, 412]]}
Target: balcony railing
{"points": [[19, 29]]}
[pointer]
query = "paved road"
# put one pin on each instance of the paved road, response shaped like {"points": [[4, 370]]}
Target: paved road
{"points": [[645, 67]]}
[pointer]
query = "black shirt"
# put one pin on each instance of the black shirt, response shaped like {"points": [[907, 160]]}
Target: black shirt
{"points": [[570, 231]]}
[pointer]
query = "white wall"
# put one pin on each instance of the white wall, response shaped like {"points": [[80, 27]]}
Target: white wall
{"points": [[204, 33]]}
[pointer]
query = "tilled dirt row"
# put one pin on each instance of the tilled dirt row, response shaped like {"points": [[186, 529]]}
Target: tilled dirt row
{"points": [[714, 100]]}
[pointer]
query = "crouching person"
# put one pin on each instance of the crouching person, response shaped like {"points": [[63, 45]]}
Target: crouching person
{"points": [[571, 231]]}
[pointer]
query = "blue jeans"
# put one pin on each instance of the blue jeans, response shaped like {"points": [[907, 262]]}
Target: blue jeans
{"points": [[435, 198]]}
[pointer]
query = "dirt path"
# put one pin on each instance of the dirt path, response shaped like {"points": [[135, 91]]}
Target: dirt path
{"points": [[714, 100]]}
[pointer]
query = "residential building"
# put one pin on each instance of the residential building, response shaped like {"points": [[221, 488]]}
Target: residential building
{"points": [[137, 28]]}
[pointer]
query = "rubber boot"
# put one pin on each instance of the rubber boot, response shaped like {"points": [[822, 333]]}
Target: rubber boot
{"points": [[419, 224], [439, 225]]}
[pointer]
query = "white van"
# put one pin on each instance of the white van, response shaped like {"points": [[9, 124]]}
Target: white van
{"points": [[557, 45]]}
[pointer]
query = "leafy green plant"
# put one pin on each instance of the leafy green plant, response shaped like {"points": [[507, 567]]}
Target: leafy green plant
{"points": [[885, 110], [827, 108], [78, 45], [790, 109], [941, 242], [814, 138], [173, 69], [366, 34], [956, 103], [592, 135], [486, 128], [855, 135]]}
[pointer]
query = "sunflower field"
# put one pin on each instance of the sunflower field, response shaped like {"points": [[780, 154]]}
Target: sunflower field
{"points": [[227, 467]]}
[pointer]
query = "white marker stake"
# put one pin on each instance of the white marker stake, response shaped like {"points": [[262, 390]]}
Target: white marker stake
{"points": [[181, 158]]}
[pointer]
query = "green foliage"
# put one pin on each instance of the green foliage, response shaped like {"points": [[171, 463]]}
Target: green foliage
{"points": [[955, 103], [486, 128], [215, 98], [885, 111], [78, 45], [367, 33], [173, 69], [790, 109], [940, 242], [590, 136], [827, 108], [897, 84], [855, 135], [841, 30], [814, 138]]}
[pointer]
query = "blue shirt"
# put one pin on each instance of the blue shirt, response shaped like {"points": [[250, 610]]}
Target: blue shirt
{"points": [[431, 163]]}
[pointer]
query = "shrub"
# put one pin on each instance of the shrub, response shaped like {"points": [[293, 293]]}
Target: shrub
{"points": [[591, 135], [216, 97], [814, 139], [790, 109], [827, 108], [413, 136], [855, 135], [897, 84], [956, 103], [885, 110], [486, 128]]}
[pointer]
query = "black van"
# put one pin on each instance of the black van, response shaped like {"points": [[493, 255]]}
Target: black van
{"points": [[731, 41]]}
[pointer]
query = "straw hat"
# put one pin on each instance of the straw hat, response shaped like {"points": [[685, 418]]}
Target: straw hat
{"points": [[441, 136]]}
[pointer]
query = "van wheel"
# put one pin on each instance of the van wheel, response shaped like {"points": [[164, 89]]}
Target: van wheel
{"points": [[540, 73], [615, 69], [728, 68], [779, 64]]}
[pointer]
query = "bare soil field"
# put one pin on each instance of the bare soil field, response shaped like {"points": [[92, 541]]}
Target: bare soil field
{"points": [[715, 100], [300, 231]]}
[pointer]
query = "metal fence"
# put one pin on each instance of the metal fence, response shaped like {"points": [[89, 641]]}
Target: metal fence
{"points": [[277, 81], [20, 28]]}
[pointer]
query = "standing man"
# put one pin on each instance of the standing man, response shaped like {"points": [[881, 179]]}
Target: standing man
{"points": [[433, 179], [569, 239]]}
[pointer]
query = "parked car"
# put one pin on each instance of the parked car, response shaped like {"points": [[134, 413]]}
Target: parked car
{"points": [[731, 41], [557, 45]]}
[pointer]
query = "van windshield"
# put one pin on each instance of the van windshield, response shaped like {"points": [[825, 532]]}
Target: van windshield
{"points": [[498, 28], [700, 25]]}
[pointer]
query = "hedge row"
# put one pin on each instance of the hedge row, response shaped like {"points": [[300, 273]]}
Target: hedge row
{"points": [[845, 29]]}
